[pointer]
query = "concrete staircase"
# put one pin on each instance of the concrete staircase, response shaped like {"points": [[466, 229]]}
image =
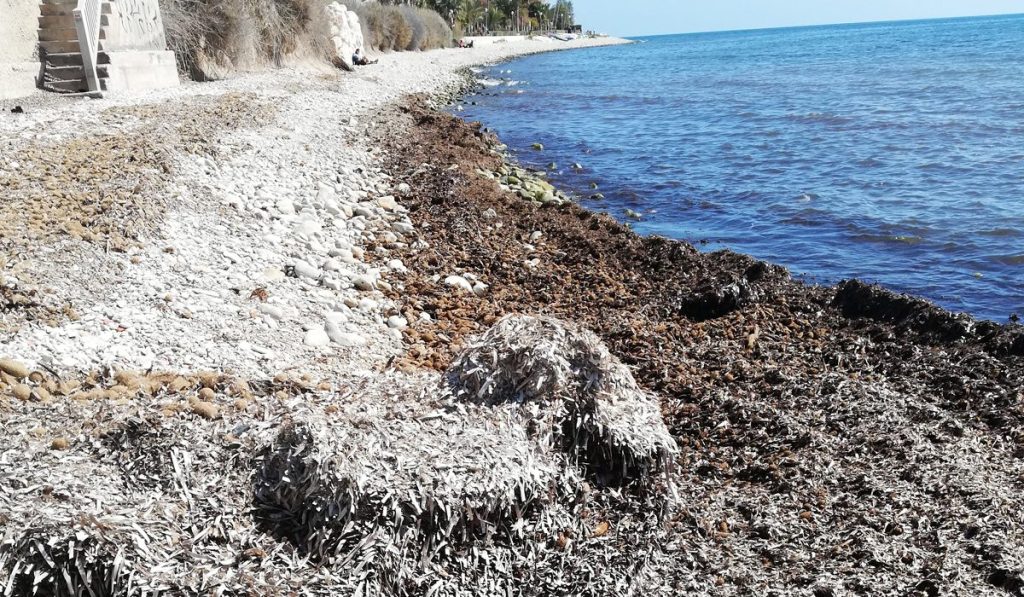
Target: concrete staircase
{"points": [[61, 56]]}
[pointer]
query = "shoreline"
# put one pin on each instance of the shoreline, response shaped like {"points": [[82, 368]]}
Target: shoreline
{"points": [[290, 263], [780, 393]]}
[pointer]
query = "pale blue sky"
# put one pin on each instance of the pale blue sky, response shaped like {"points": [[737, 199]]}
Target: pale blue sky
{"points": [[654, 17]]}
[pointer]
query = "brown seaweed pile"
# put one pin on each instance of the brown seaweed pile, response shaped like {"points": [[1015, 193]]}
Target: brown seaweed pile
{"points": [[834, 440]]}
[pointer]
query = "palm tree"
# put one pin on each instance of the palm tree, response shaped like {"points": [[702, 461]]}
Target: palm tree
{"points": [[470, 13]]}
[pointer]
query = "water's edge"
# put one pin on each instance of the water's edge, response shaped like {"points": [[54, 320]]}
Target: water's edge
{"points": [[470, 84]]}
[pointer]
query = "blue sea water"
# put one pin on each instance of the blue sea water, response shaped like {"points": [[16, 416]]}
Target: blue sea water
{"points": [[890, 152]]}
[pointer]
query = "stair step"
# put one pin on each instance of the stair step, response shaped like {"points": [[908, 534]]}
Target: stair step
{"points": [[74, 59], [70, 86], [70, 73], [57, 10], [66, 59], [64, 73], [57, 21], [63, 47], [58, 34]]}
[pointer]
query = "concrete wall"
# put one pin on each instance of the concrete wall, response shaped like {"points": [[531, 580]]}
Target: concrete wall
{"points": [[135, 25], [19, 63]]}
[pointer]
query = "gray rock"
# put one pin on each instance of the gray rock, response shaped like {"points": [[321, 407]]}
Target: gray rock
{"points": [[387, 202], [308, 227], [305, 270], [316, 337], [286, 207], [459, 282], [343, 338], [403, 228], [272, 311], [364, 283]]}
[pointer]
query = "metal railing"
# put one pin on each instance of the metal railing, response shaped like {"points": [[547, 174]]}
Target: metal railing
{"points": [[87, 23]]}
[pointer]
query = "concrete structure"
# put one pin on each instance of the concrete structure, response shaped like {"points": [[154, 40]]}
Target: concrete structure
{"points": [[134, 40], [132, 49], [19, 59]]}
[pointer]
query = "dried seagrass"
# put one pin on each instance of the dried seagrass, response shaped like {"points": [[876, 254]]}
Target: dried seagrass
{"points": [[573, 393]]}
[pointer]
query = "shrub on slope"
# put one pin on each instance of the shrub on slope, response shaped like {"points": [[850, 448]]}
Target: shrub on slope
{"points": [[398, 28], [214, 37]]}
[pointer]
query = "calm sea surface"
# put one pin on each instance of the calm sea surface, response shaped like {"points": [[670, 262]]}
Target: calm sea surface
{"points": [[889, 152]]}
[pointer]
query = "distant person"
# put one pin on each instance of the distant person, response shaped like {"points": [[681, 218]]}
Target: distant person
{"points": [[359, 59]]}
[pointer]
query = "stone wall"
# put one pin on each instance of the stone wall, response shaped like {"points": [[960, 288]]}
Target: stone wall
{"points": [[19, 64]]}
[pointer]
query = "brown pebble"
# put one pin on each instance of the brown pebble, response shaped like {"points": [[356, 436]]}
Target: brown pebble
{"points": [[14, 368], [127, 379], [61, 443], [43, 395], [178, 384], [22, 392], [209, 380], [241, 404], [36, 377], [207, 394], [207, 410]]}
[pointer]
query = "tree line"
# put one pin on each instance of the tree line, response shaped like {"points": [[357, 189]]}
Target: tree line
{"points": [[480, 16]]}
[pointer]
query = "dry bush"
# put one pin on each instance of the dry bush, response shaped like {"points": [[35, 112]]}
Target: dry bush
{"points": [[212, 38], [387, 28]]}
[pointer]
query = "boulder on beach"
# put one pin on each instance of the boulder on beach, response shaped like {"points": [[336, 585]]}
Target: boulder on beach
{"points": [[346, 34]]}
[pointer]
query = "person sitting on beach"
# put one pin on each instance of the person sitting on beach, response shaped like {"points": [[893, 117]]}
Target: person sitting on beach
{"points": [[359, 60]]}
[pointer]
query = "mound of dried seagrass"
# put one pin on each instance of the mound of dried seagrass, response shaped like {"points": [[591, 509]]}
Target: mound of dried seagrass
{"points": [[572, 392], [486, 483]]}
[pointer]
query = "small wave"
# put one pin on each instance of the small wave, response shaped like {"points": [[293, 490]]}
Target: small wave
{"points": [[907, 239], [1010, 259], [1001, 232], [490, 82], [819, 117], [512, 83]]}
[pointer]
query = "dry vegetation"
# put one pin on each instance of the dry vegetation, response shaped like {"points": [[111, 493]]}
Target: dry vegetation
{"points": [[422, 484], [401, 28], [214, 37]]}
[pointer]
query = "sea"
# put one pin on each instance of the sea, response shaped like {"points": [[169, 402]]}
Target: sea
{"points": [[889, 152]]}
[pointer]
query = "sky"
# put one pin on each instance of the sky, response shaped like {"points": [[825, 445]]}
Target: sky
{"points": [[656, 17]]}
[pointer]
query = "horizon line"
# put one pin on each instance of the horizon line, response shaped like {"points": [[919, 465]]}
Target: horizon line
{"points": [[838, 24]]}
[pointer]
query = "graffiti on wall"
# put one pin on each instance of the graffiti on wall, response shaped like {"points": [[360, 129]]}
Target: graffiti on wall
{"points": [[140, 24]]}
